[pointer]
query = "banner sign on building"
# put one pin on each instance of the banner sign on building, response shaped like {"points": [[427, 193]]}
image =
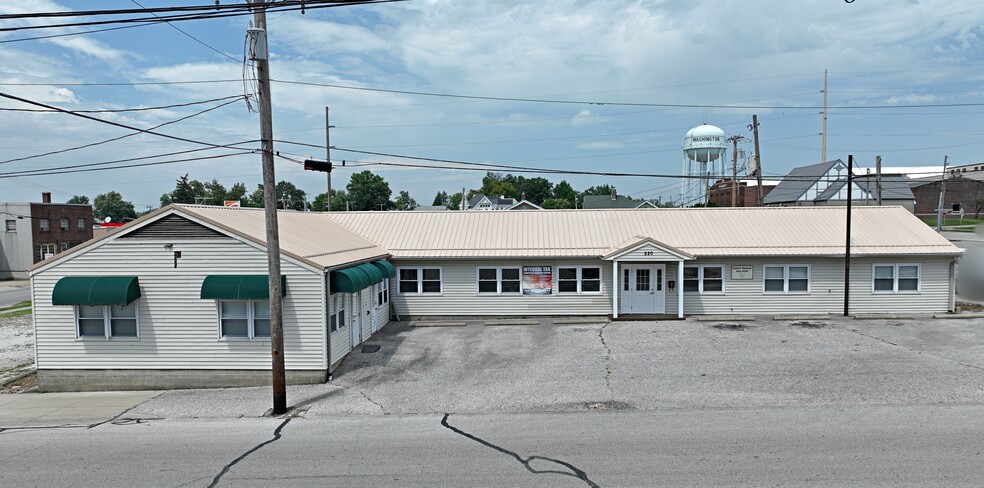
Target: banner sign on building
{"points": [[537, 280], [231, 203]]}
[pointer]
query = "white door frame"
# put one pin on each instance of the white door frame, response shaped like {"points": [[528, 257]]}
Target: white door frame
{"points": [[356, 321]]}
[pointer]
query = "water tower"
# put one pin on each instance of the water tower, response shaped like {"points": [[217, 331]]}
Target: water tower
{"points": [[703, 162]]}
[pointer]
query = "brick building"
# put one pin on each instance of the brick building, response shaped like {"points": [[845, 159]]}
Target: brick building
{"points": [[720, 192], [965, 188], [34, 231]]}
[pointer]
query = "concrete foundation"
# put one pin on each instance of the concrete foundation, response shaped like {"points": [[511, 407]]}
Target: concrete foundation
{"points": [[50, 380]]}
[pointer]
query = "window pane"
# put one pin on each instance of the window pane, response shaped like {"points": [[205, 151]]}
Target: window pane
{"points": [[798, 272], [908, 272], [642, 280], [90, 312], [234, 328], [884, 284], [591, 273], [341, 319], [261, 309], [884, 271], [487, 287], [712, 273], [773, 272], [333, 323], [123, 327], [486, 274], [432, 274], [713, 285], [91, 328], [690, 273], [408, 286], [510, 274], [432, 287], [567, 286], [127, 311], [625, 280], [799, 285], [908, 284], [590, 285], [408, 274], [773, 285], [690, 285], [235, 310], [510, 286], [567, 273], [261, 328]]}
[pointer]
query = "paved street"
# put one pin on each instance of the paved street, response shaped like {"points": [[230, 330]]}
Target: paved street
{"points": [[682, 403]]}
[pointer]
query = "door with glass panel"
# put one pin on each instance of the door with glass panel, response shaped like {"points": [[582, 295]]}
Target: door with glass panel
{"points": [[643, 288]]}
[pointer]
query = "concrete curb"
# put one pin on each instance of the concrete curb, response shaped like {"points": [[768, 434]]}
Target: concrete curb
{"points": [[974, 315], [437, 324], [802, 317], [889, 316], [723, 318]]}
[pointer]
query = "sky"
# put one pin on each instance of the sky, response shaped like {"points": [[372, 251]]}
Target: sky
{"points": [[607, 86]]}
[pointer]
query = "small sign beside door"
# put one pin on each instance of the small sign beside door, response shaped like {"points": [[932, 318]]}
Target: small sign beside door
{"points": [[741, 272]]}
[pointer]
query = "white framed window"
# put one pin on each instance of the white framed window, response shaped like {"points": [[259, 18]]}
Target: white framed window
{"points": [[336, 319], [786, 278], [107, 321], [704, 278], [896, 278], [499, 280], [64, 224], [80, 223], [244, 319], [62, 246], [578, 279], [45, 251], [10, 225], [420, 280], [383, 292], [44, 225]]}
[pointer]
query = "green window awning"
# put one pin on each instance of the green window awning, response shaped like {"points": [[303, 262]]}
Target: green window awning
{"points": [[96, 290], [375, 275], [386, 267], [240, 287], [348, 280]]}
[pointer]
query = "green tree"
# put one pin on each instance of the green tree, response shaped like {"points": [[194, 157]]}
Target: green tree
{"points": [[320, 203], [441, 198], [290, 197], [339, 201], [236, 192], [565, 191], [78, 200], [183, 192], [405, 201], [112, 205], [496, 185], [454, 202], [215, 193], [536, 189], [367, 191], [557, 203]]}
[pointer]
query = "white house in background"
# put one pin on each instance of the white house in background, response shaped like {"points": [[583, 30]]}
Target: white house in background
{"points": [[483, 202], [178, 298]]}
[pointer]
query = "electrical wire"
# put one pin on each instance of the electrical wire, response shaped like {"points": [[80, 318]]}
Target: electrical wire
{"points": [[155, 163], [237, 61], [61, 151], [116, 161], [122, 110]]}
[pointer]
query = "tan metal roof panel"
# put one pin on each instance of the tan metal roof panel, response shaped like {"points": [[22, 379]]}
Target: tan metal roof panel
{"points": [[701, 232]]}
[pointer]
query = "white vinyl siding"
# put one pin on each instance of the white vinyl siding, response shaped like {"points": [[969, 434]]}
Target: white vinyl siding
{"points": [[177, 327], [826, 289], [460, 298]]}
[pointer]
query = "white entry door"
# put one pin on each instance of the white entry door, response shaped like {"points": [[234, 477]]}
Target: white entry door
{"points": [[356, 319], [643, 288]]}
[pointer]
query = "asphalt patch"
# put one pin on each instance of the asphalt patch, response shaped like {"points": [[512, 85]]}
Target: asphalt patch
{"points": [[370, 348], [731, 326], [609, 405], [809, 325]]}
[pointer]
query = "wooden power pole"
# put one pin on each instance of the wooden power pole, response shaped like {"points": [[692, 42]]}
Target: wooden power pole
{"points": [[328, 155], [260, 55], [823, 143], [758, 160]]}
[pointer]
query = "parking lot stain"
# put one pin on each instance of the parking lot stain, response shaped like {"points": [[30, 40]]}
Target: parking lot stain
{"points": [[738, 327], [809, 325]]}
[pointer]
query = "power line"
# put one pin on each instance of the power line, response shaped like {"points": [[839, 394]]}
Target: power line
{"points": [[60, 151], [155, 163], [133, 83], [121, 110], [237, 61]]}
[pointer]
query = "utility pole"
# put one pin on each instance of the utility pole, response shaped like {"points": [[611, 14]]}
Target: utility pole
{"points": [[823, 144], [328, 126], [847, 252], [260, 54], [734, 169], [878, 187], [939, 208], [758, 160]]}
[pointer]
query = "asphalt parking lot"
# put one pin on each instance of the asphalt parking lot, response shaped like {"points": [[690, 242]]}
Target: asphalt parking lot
{"points": [[631, 366]]}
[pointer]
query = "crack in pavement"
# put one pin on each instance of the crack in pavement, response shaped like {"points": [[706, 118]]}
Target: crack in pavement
{"points": [[526, 462], [856, 331], [608, 362], [227, 467], [364, 395]]}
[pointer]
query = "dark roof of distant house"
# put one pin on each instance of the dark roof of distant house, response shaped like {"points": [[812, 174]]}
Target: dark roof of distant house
{"points": [[497, 201], [797, 181], [605, 201]]}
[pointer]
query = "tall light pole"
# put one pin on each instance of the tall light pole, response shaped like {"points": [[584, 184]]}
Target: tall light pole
{"points": [[260, 54], [328, 127]]}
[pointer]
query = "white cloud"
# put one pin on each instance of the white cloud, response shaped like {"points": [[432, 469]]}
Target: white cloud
{"points": [[600, 145]]}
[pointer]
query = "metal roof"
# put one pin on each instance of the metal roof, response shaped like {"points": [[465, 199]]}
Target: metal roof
{"points": [[620, 201], [702, 232], [800, 179]]}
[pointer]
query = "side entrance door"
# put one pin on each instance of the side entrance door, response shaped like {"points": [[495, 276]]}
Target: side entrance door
{"points": [[356, 319], [643, 288]]}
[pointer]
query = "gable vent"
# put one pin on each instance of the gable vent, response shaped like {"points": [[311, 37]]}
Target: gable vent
{"points": [[174, 227]]}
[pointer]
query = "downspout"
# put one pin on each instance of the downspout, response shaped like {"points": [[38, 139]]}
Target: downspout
{"points": [[615, 289], [952, 305], [328, 320], [679, 288]]}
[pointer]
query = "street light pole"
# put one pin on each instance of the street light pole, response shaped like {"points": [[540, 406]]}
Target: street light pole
{"points": [[260, 55]]}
